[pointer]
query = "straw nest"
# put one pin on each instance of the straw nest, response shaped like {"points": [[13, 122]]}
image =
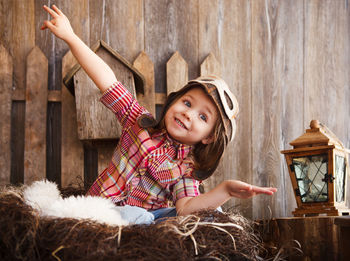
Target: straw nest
{"points": [[208, 235]]}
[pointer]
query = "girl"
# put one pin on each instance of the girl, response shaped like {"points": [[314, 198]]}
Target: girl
{"points": [[158, 162]]}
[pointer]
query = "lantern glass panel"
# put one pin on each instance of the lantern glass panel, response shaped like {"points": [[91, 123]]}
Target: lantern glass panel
{"points": [[339, 178], [310, 172]]}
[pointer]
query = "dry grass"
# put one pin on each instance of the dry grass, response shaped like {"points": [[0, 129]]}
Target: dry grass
{"points": [[208, 235]]}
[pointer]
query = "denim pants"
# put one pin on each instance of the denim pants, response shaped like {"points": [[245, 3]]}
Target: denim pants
{"points": [[162, 213]]}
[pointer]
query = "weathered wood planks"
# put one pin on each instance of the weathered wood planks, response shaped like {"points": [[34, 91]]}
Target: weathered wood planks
{"points": [[95, 121], [326, 65], [176, 72], [316, 237], [210, 66], [72, 148], [277, 49], [6, 71], [164, 34], [23, 38], [144, 64], [18, 37], [35, 121], [120, 25]]}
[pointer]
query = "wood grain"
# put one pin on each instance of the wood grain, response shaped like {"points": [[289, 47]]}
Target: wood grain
{"points": [[277, 49], [105, 152], [144, 64], [120, 24], [90, 163], [95, 121], [6, 71], [177, 73], [327, 66], [210, 66], [23, 38], [318, 237], [35, 121], [170, 26], [72, 148], [20, 41]]}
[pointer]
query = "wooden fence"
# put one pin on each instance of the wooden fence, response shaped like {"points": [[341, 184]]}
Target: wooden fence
{"points": [[97, 154], [287, 61]]}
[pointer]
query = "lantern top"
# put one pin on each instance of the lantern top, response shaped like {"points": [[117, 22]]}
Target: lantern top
{"points": [[317, 135]]}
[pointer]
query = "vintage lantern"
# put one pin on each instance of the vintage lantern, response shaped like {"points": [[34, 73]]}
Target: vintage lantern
{"points": [[317, 166]]}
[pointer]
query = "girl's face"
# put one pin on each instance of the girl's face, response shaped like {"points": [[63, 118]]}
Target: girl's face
{"points": [[191, 119]]}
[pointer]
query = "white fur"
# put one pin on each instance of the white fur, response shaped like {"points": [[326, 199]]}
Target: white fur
{"points": [[41, 194], [45, 197]]}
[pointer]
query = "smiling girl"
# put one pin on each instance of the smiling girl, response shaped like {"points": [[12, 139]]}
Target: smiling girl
{"points": [[158, 162]]}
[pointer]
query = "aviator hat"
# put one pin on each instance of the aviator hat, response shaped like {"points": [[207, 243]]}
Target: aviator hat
{"points": [[224, 100]]}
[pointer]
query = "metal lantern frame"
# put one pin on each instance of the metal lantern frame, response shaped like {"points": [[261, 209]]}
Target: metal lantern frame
{"points": [[320, 143]]}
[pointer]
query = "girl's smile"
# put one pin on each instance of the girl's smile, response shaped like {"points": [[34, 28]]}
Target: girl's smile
{"points": [[191, 118], [180, 123]]}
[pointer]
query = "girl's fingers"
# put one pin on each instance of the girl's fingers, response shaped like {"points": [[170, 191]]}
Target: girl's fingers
{"points": [[50, 11], [271, 190], [263, 190], [47, 24], [243, 186], [58, 11]]}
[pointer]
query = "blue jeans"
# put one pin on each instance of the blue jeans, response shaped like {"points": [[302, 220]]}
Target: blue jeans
{"points": [[163, 213]]}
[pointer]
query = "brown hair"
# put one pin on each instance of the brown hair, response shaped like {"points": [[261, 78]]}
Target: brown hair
{"points": [[206, 157]]}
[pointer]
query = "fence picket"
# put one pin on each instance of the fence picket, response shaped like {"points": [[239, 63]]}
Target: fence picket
{"points": [[6, 71], [35, 120], [144, 64], [210, 66], [176, 72], [72, 157]]}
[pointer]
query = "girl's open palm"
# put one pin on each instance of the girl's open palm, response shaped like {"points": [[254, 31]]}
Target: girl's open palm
{"points": [[241, 189], [59, 25]]}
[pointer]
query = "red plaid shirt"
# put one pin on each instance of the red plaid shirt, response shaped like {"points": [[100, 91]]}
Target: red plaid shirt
{"points": [[145, 171]]}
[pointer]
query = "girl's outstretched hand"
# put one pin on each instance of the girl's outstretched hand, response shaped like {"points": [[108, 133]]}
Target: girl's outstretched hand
{"points": [[59, 25], [241, 189]]}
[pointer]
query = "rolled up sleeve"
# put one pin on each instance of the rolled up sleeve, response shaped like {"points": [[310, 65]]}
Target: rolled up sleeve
{"points": [[185, 187], [121, 102]]}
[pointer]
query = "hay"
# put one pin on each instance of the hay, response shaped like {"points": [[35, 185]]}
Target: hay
{"points": [[208, 235]]}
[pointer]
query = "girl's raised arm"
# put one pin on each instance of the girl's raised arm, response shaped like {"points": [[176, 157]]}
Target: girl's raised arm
{"points": [[94, 66]]}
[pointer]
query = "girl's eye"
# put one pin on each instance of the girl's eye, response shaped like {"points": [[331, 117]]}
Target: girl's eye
{"points": [[187, 103], [203, 117]]}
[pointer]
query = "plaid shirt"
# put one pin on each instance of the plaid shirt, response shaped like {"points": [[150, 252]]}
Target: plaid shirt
{"points": [[145, 171]]}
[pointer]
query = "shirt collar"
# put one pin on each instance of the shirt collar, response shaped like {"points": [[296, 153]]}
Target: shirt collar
{"points": [[182, 150]]}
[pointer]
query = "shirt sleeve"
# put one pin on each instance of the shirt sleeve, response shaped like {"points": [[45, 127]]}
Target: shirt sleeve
{"points": [[185, 187], [121, 102]]}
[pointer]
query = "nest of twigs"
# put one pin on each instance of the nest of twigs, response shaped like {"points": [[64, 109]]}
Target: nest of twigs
{"points": [[208, 235]]}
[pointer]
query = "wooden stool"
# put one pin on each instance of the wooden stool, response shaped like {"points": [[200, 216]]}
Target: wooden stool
{"points": [[344, 244]]}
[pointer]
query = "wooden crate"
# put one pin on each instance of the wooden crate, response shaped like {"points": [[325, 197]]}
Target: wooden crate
{"points": [[344, 240], [318, 237]]}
